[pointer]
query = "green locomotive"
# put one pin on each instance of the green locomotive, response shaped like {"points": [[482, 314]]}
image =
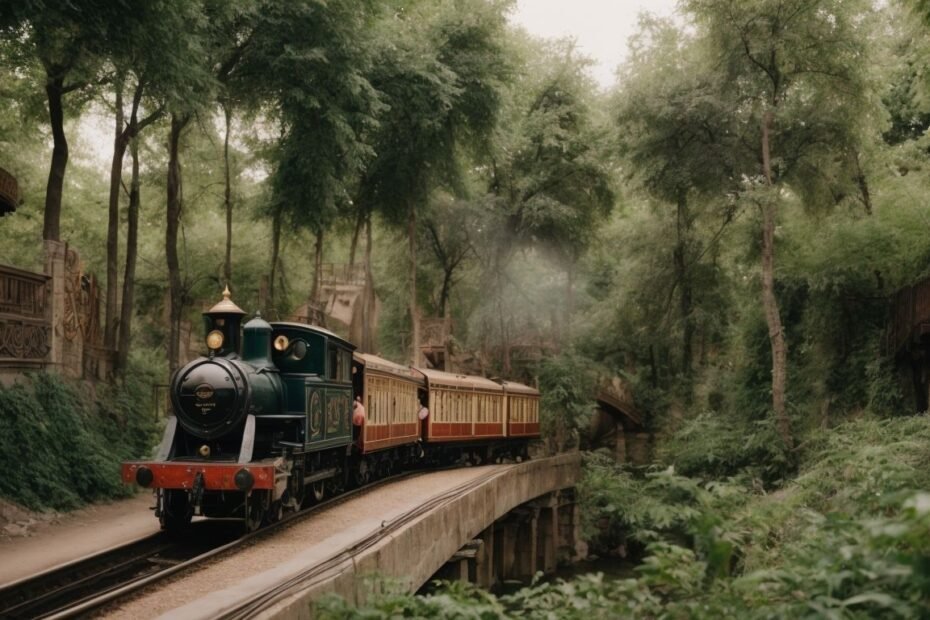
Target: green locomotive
{"points": [[257, 423]]}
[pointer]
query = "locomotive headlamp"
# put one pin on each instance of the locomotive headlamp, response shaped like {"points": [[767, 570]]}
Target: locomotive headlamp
{"points": [[204, 451], [215, 339], [281, 342], [144, 476], [244, 480]]}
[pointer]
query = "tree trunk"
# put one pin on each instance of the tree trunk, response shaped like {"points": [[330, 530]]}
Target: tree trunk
{"points": [[171, 239], [414, 312], [359, 222], [505, 338], [120, 140], [129, 276], [51, 230], [317, 269], [446, 289], [275, 251], [368, 343], [227, 266], [769, 301], [566, 335], [683, 277], [864, 193]]}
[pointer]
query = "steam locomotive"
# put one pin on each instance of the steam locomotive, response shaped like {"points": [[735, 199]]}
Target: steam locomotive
{"points": [[264, 422]]}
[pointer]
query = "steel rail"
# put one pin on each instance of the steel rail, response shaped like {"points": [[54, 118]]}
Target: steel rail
{"points": [[27, 597]]}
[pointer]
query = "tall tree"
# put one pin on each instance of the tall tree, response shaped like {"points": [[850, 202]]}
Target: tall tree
{"points": [[674, 138], [150, 54], [441, 70], [65, 44], [218, 38], [551, 169], [127, 308], [795, 83], [310, 59]]}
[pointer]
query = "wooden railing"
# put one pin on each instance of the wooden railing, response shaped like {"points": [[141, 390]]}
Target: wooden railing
{"points": [[334, 274], [25, 325]]}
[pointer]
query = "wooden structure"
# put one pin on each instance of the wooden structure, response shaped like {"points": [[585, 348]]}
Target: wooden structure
{"points": [[25, 318], [910, 319], [907, 338], [618, 424], [346, 303], [9, 193], [436, 335]]}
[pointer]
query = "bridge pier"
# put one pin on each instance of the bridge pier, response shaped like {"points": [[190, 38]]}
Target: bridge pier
{"points": [[484, 563], [524, 565], [547, 529], [533, 537]]}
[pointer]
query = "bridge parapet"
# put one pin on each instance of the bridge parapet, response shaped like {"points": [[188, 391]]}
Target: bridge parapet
{"points": [[410, 547]]}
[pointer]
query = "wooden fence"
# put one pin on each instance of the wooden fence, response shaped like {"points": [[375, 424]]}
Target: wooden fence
{"points": [[25, 321]]}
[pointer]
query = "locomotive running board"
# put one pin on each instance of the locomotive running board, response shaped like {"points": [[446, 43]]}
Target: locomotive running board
{"points": [[323, 474]]}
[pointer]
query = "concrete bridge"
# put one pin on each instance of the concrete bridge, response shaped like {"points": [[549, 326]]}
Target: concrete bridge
{"points": [[484, 524]]}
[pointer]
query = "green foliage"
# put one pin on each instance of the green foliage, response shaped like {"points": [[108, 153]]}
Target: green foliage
{"points": [[61, 448], [846, 540], [567, 383], [659, 507], [720, 445]]}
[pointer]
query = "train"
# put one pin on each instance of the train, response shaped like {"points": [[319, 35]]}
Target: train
{"points": [[278, 415]]}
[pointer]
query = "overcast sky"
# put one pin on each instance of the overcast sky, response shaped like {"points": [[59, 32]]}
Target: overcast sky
{"points": [[601, 27]]}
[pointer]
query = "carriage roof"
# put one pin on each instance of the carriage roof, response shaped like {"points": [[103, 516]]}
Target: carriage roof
{"points": [[447, 379], [512, 387], [373, 362]]}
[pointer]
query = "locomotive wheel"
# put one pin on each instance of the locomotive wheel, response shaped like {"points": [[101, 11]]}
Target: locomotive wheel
{"points": [[274, 513], [176, 512], [254, 514], [318, 490], [361, 473]]}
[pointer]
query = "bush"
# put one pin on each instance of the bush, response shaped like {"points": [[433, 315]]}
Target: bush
{"points": [[567, 384], [60, 448], [713, 445]]}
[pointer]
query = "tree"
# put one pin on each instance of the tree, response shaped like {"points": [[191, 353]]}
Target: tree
{"points": [[218, 40], [64, 44], [675, 140], [551, 171], [441, 70], [310, 60], [447, 230], [795, 86], [149, 52]]}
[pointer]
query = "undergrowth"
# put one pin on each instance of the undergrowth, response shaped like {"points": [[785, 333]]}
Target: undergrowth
{"points": [[60, 446], [847, 538]]}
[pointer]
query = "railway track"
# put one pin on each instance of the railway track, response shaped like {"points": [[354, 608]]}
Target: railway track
{"points": [[83, 586]]}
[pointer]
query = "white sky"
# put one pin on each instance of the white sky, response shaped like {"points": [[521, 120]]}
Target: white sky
{"points": [[600, 27]]}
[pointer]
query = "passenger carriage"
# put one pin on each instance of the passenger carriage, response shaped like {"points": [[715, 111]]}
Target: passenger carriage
{"points": [[522, 410]]}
